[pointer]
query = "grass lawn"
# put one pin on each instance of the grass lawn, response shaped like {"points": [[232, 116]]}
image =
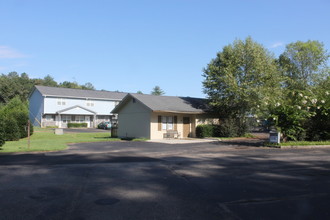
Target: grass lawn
{"points": [[304, 143], [46, 140]]}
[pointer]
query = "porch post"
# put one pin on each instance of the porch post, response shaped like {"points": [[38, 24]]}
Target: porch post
{"points": [[59, 121]]}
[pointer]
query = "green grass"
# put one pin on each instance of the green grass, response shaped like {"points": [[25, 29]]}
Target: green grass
{"points": [[304, 143], [46, 140], [247, 135]]}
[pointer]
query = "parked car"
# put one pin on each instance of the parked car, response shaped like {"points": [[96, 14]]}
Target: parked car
{"points": [[104, 125]]}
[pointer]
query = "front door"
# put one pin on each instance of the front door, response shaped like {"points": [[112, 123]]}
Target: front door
{"points": [[87, 120], [186, 127]]}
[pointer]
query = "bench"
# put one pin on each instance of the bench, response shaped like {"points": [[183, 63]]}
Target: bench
{"points": [[171, 134]]}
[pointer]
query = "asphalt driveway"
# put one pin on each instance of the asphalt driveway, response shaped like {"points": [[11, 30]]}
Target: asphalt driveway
{"points": [[143, 180]]}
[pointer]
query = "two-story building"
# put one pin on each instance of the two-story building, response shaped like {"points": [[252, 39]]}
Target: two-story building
{"points": [[53, 106]]}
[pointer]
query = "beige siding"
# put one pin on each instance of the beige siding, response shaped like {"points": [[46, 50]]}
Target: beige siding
{"points": [[156, 134], [134, 121]]}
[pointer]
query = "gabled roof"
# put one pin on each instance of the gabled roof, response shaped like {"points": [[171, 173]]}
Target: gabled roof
{"points": [[73, 107], [79, 93], [167, 103]]}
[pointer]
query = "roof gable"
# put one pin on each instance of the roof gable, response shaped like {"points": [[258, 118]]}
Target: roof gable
{"points": [[76, 110], [79, 93]]}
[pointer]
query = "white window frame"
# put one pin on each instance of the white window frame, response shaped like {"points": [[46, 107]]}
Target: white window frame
{"points": [[89, 103], [49, 118], [81, 118], [66, 118], [61, 101], [167, 123]]}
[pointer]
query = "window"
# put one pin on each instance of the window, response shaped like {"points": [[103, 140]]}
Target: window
{"points": [[80, 119], [167, 123], [66, 118], [61, 101], [49, 118], [89, 103]]}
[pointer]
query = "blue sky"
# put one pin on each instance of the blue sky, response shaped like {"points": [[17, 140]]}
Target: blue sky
{"points": [[135, 45]]}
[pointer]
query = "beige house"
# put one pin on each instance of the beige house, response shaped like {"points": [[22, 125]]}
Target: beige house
{"points": [[157, 117]]}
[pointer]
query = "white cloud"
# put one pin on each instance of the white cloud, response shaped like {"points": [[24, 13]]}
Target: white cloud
{"points": [[7, 52], [277, 44]]}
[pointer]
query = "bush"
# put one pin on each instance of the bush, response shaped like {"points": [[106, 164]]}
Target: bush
{"points": [[205, 131], [231, 127], [15, 116], [2, 133], [12, 131], [77, 125]]}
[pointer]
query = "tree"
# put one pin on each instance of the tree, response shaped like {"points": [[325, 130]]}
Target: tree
{"points": [[49, 81], [15, 116], [304, 111], [139, 92], [88, 86], [71, 85], [12, 85], [304, 64], [157, 91], [241, 80], [2, 132]]}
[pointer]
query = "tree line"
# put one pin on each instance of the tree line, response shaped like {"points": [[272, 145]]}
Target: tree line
{"points": [[13, 84], [290, 93]]}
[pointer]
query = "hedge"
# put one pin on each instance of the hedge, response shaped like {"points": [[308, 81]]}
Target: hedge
{"points": [[77, 125], [205, 131]]}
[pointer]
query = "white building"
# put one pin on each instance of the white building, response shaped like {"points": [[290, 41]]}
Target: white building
{"points": [[53, 106]]}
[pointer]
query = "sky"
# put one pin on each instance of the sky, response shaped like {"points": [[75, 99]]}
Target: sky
{"points": [[135, 45]]}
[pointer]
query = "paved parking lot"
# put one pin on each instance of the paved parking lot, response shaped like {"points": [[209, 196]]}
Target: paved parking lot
{"points": [[144, 180]]}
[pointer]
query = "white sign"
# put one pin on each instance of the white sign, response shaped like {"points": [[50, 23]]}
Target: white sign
{"points": [[274, 137]]}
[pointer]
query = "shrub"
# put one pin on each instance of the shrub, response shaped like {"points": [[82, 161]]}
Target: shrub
{"points": [[77, 125], [11, 128], [15, 116], [232, 127], [205, 131], [2, 133]]}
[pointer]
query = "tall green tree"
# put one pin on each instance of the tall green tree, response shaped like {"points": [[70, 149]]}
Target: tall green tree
{"points": [[88, 86], [304, 64], [242, 79], [304, 111], [12, 85], [157, 91], [49, 81]]}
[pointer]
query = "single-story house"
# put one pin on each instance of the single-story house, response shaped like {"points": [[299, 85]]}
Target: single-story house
{"points": [[54, 106], [152, 116]]}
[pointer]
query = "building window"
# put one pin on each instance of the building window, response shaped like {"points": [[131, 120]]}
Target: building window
{"points": [[80, 118], [61, 101], [66, 118], [89, 103], [49, 118], [167, 123]]}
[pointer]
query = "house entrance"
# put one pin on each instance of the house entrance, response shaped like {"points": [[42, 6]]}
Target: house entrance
{"points": [[186, 127]]}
